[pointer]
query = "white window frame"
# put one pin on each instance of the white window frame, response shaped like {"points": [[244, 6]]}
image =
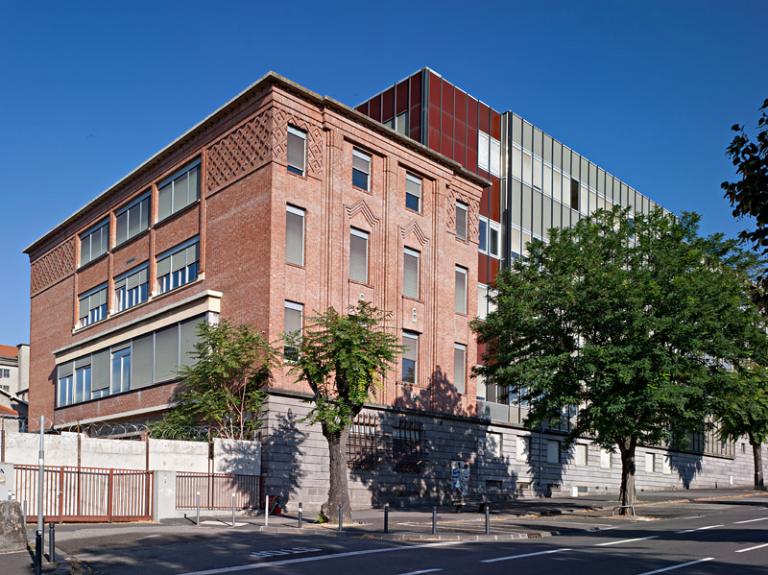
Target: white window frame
{"points": [[187, 270], [359, 154], [460, 307], [299, 133], [302, 213], [413, 336], [414, 179], [495, 157], [483, 150], [171, 181], [123, 295], [491, 249], [417, 255], [128, 211], [362, 234], [461, 386], [86, 238], [461, 206]]}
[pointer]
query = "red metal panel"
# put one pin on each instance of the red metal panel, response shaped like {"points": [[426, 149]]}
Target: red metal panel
{"points": [[460, 109], [495, 194], [483, 268], [388, 105], [484, 117], [446, 120], [433, 119], [435, 85], [495, 265], [401, 95], [495, 124], [374, 108], [416, 106], [363, 108], [484, 207]]}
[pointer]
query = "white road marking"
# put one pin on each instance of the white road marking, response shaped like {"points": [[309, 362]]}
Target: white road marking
{"points": [[750, 520], [699, 529], [678, 566], [421, 572], [509, 557], [238, 568], [607, 543], [752, 548]]}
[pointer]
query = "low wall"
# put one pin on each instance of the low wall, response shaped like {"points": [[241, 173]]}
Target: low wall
{"points": [[229, 456]]}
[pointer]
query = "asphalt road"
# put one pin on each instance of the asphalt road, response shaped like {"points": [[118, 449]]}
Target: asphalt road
{"points": [[725, 538]]}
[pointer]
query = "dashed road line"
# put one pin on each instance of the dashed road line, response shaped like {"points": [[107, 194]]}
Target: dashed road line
{"points": [[524, 555], [752, 548], [751, 520], [421, 572], [607, 543], [254, 566], [699, 529], [678, 566]]}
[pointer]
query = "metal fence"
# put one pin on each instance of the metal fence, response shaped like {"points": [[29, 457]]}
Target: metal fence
{"points": [[81, 494], [217, 490]]}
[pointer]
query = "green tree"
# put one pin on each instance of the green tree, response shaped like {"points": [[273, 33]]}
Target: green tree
{"points": [[341, 357], [749, 194], [634, 321], [744, 411], [224, 390]]}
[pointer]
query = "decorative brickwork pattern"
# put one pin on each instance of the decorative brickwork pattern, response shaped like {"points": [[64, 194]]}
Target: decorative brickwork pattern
{"points": [[53, 266], [314, 140], [240, 152]]}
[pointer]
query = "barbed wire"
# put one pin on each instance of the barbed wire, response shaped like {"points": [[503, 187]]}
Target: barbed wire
{"points": [[117, 430]]}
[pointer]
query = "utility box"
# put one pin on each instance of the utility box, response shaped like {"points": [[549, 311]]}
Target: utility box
{"points": [[7, 482]]}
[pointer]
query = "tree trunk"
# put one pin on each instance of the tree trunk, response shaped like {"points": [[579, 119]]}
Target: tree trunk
{"points": [[627, 494], [338, 490], [757, 454]]}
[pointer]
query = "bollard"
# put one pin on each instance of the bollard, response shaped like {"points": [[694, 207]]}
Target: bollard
{"points": [[341, 519], [51, 542], [386, 518], [434, 521], [197, 507], [266, 512], [233, 510], [38, 566], [487, 519], [301, 511]]}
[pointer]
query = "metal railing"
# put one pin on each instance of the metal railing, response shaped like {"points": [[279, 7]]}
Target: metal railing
{"points": [[216, 490], [80, 494]]}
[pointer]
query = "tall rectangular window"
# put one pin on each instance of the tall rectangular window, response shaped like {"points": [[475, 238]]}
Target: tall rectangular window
{"points": [[132, 288], [94, 242], [462, 210], [293, 321], [82, 380], [483, 239], [483, 150], [495, 159], [132, 219], [605, 459], [494, 239], [361, 169], [410, 357], [65, 384], [178, 267], [581, 453], [482, 301], [121, 370], [358, 256], [297, 150], [411, 273], [401, 123], [178, 190], [93, 306], [523, 448], [650, 462], [413, 192], [460, 367], [166, 353], [294, 235], [553, 451], [574, 196], [460, 289]]}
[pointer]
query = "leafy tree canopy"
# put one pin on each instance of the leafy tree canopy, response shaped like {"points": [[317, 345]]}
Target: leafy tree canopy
{"points": [[634, 320], [224, 389]]}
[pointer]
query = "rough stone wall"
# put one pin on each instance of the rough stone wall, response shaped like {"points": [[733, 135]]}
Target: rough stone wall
{"points": [[295, 463]]}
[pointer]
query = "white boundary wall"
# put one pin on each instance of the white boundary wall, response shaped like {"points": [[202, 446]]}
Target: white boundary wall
{"points": [[229, 456]]}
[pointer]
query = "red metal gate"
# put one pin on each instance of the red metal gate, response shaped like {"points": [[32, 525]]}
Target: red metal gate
{"points": [[80, 494], [217, 490]]}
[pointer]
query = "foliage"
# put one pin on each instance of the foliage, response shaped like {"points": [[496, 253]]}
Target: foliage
{"points": [[225, 388], [341, 357], [749, 195], [744, 409], [635, 321]]}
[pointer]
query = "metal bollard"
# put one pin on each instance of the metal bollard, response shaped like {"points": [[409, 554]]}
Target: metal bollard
{"points": [[434, 521], [51, 542], [386, 518], [301, 514], [233, 510], [38, 566], [487, 519], [341, 519], [266, 511], [197, 507]]}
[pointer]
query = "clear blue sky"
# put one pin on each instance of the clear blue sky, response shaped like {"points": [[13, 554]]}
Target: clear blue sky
{"points": [[88, 90]]}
